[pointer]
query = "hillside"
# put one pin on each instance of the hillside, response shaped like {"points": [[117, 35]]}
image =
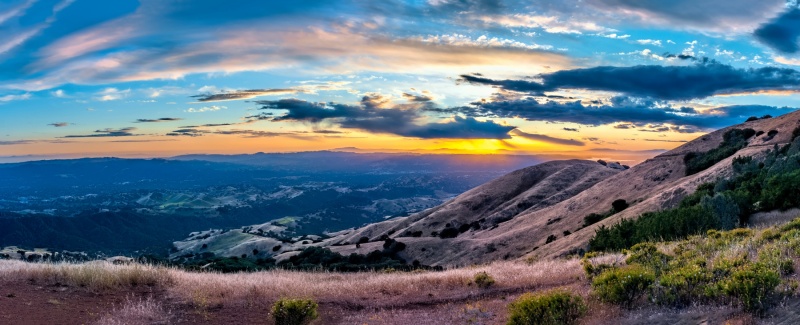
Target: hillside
{"points": [[512, 231], [538, 211]]}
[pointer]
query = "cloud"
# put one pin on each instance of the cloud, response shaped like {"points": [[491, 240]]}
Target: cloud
{"points": [[718, 16], [546, 138], [101, 55], [59, 124], [112, 93], [782, 33], [8, 98], [108, 132], [550, 24], [244, 94], [163, 119], [570, 129], [376, 115], [417, 98], [204, 109], [636, 112], [700, 80]]}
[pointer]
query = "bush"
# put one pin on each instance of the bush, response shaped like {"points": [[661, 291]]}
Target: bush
{"points": [[753, 285], [294, 311], [550, 308], [623, 285], [592, 219], [619, 205], [449, 232], [732, 141], [483, 280], [550, 239]]}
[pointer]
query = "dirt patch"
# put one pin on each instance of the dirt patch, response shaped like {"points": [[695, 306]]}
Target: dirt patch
{"points": [[32, 303]]}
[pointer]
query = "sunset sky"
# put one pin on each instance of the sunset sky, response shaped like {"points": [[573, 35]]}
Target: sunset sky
{"points": [[590, 78]]}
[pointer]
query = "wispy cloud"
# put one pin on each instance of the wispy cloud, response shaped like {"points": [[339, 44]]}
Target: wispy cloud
{"points": [[59, 124], [108, 132], [203, 109], [158, 120]]}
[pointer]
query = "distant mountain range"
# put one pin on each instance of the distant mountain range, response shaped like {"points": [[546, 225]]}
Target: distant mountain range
{"points": [[122, 205]]}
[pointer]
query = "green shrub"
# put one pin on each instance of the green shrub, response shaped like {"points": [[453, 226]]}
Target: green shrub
{"points": [[753, 285], [556, 307], [732, 141], [294, 311], [623, 285], [682, 286], [647, 254], [483, 280]]}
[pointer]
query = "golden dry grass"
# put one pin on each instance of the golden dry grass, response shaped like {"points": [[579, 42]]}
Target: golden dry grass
{"points": [[368, 289], [95, 275]]}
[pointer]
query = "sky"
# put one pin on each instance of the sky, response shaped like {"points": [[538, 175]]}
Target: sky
{"points": [[581, 78]]}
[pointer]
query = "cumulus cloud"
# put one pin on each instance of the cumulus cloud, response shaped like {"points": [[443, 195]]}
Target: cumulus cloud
{"points": [[700, 80], [781, 33], [373, 115], [107, 132], [158, 120], [546, 138]]}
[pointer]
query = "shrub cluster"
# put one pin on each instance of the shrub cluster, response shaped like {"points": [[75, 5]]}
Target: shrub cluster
{"points": [[483, 280], [766, 185], [294, 311], [739, 265], [549, 308], [732, 141]]}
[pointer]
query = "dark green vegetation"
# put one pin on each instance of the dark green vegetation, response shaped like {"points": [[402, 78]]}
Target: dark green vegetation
{"points": [[294, 311], [750, 268], [617, 206], [556, 307], [770, 184], [483, 280], [732, 141], [309, 259]]}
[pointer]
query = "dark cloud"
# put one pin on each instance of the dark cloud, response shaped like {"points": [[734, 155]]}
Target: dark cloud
{"points": [[244, 94], [254, 133], [207, 125], [633, 112], [373, 115], [16, 142], [163, 119], [188, 132], [679, 56], [417, 98], [546, 138], [59, 124], [700, 80], [571, 129], [108, 132], [781, 33]]}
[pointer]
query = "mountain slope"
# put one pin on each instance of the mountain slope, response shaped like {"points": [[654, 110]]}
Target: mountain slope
{"points": [[479, 212], [552, 224]]}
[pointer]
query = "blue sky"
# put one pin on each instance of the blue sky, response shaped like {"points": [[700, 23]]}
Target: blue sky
{"points": [[159, 78]]}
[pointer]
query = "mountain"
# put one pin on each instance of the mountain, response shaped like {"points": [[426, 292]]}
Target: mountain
{"points": [[90, 204], [540, 211]]}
